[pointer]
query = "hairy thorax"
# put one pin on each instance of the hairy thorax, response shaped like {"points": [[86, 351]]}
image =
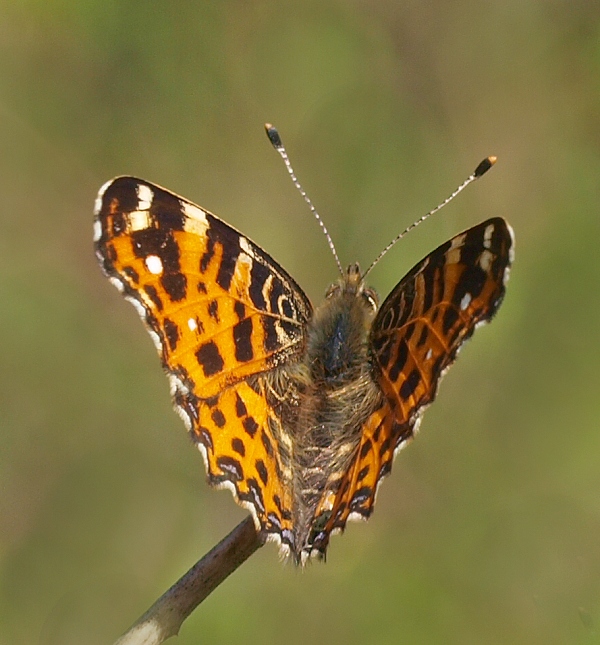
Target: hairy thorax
{"points": [[335, 392]]}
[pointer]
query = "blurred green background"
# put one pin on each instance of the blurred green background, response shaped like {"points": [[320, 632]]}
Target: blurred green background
{"points": [[488, 530]]}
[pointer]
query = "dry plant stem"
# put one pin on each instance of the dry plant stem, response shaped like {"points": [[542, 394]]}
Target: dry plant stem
{"points": [[167, 614]]}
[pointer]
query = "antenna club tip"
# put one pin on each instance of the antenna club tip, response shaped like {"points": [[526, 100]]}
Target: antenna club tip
{"points": [[484, 166], [273, 135]]}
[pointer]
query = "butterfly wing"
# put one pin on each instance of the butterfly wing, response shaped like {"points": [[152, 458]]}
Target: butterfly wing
{"points": [[224, 317], [414, 338]]}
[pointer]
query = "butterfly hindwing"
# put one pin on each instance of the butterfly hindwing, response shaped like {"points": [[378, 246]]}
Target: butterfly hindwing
{"points": [[240, 436]]}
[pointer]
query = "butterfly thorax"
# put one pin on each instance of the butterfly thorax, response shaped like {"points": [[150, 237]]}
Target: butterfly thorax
{"points": [[338, 332], [337, 392]]}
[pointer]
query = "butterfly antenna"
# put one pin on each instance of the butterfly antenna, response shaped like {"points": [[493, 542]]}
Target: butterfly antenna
{"points": [[275, 140], [481, 169]]}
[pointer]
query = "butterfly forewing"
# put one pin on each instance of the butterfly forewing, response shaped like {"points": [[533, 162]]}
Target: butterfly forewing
{"points": [[205, 289], [434, 309]]}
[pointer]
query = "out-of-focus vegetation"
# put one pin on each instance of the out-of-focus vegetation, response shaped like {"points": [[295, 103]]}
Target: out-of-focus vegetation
{"points": [[487, 530]]}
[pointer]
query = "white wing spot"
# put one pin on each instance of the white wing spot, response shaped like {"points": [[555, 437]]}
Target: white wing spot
{"points": [[139, 307], [266, 290], [98, 203], [485, 260], [453, 253], [487, 236], [243, 266], [428, 355], [185, 417], [97, 230], [282, 336], [145, 197], [195, 220], [245, 246], [138, 220], [154, 264], [117, 283], [245, 260], [176, 385], [466, 301], [192, 324], [458, 241]]}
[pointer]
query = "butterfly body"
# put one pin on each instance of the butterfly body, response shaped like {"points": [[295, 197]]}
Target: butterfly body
{"points": [[298, 411], [336, 393]]}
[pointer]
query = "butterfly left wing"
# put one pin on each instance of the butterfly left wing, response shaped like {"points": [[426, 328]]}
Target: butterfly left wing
{"points": [[225, 318], [414, 338]]}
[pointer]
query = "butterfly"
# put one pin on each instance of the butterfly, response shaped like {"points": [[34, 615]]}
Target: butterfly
{"points": [[298, 410]]}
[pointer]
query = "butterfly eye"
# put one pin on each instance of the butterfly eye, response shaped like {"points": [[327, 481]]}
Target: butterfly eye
{"points": [[371, 297]]}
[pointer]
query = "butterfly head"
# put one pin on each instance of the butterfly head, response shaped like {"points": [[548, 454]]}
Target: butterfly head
{"points": [[352, 284]]}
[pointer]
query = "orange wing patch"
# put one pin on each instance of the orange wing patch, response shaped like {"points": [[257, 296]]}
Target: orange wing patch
{"points": [[240, 438], [355, 492], [216, 304], [436, 307]]}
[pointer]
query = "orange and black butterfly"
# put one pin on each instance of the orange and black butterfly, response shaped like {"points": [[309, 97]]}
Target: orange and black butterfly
{"points": [[298, 410]]}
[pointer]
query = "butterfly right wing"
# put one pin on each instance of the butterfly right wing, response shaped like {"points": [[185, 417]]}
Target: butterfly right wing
{"points": [[414, 338], [225, 317]]}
